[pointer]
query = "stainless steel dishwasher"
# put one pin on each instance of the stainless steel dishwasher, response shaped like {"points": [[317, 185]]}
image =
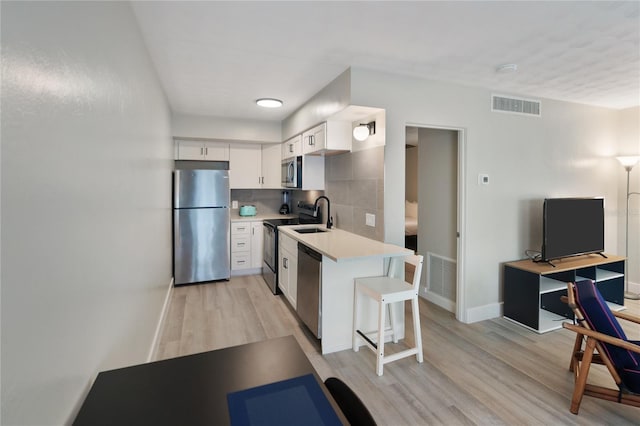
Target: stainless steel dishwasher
{"points": [[309, 305]]}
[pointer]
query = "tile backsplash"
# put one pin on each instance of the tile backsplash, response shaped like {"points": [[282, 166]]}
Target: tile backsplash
{"points": [[355, 186], [267, 201]]}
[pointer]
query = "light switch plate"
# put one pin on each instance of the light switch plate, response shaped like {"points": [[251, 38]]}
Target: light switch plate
{"points": [[483, 179], [370, 219], [234, 204]]}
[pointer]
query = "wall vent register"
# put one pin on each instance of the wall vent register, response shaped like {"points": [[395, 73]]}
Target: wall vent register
{"points": [[515, 105]]}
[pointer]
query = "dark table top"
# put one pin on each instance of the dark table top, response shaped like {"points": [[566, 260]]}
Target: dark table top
{"points": [[192, 390]]}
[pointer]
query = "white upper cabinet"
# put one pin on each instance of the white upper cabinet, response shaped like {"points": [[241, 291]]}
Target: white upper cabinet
{"points": [[254, 166], [313, 140], [271, 166], [202, 150], [327, 137], [245, 166], [292, 147]]}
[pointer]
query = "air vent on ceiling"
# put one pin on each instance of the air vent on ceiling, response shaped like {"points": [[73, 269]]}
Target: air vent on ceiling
{"points": [[515, 105]]}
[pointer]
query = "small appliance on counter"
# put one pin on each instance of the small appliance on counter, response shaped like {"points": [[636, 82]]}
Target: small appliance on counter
{"points": [[248, 210], [284, 208]]}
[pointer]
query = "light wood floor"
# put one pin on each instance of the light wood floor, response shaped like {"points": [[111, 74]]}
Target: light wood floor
{"points": [[493, 372]]}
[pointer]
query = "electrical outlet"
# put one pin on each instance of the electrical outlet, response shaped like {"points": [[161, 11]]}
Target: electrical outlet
{"points": [[234, 204], [370, 219]]}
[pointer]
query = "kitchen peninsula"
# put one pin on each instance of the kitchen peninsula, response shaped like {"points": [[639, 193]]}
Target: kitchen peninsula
{"points": [[345, 256]]}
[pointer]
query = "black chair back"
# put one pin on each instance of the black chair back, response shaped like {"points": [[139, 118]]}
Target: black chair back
{"points": [[354, 410]]}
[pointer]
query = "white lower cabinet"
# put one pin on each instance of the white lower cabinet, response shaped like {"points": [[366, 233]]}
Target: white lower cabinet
{"points": [[246, 245], [257, 244], [288, 268]]}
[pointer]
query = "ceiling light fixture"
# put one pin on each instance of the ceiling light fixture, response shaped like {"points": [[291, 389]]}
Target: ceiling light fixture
{"points": [[363, 131], [269, 102], [507, 68]]}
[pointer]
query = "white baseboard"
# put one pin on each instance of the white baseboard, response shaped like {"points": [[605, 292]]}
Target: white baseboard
{"points": [[633, 287], [153, 351], [438, 300], [481, 313]]}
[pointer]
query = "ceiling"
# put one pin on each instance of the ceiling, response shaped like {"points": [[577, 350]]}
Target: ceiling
{"points": [[216, 58]]}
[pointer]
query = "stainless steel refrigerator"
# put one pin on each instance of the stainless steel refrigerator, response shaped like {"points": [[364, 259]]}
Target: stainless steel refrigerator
{"points": [[201, 226]]}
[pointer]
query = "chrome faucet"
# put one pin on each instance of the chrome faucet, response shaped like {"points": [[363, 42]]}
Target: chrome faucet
{"points": [[315, 210]]}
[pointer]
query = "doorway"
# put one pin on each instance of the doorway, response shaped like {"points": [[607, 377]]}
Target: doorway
{"points": [[433, 219]]}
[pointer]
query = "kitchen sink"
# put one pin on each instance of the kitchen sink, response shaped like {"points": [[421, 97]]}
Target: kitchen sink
{"points": [[309, 230]]}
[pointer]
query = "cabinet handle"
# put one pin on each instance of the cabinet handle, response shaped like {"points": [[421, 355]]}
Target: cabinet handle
{"points": [[240, 229], [240, 262], [285, 263], [290, 147], [240, 244], [201, 151], [206, 150]]}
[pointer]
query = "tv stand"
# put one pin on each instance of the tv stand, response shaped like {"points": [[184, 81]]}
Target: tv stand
{"points": [[545, 261], [532, 290]]}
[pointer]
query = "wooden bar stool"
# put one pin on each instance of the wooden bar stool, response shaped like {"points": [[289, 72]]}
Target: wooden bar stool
{"points": [[387, 291]]}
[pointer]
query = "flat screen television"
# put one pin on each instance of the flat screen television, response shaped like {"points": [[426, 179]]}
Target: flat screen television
{"points": [[571, 227]]}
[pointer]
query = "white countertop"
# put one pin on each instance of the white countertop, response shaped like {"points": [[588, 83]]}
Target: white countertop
{"points": [[339, 245], [235, 216]]}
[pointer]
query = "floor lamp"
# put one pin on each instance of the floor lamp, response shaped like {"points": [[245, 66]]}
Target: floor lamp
{"points": [[628, 163]]}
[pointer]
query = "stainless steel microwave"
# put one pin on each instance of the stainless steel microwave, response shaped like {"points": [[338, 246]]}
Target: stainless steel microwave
{"points": [[292, 172]]}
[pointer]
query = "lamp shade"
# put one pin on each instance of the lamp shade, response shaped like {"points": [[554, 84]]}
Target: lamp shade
{"points": [[361, 132], [629, 160]]}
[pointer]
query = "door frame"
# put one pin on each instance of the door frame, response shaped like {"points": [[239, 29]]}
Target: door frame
{"points": [[461, 287]]}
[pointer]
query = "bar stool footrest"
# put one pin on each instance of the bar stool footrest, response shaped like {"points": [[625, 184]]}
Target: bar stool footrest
{"points": [[366, 338], [400, 355], [370, 342]]}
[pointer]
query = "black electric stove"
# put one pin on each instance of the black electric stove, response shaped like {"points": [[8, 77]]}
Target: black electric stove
{"points": [[270, 254]]}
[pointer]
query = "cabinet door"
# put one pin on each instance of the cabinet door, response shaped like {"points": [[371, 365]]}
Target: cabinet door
{"points": [[293, 279], [271, 156], [292, 147], [257, 244], [245, 166], [283, 270], [190, 150], [314, 139], [313, 172], [216, 151]]}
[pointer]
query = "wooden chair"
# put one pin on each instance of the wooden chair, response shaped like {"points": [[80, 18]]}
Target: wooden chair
{"points": [[599, 325], [386, 291], [352, 407]]}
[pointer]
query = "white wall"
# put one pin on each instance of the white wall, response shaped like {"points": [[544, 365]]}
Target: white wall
{"points": [[629, 144], [437, 193], [86, 197], [566, 152], [205, 127], [331, 99], [411, 173]]}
